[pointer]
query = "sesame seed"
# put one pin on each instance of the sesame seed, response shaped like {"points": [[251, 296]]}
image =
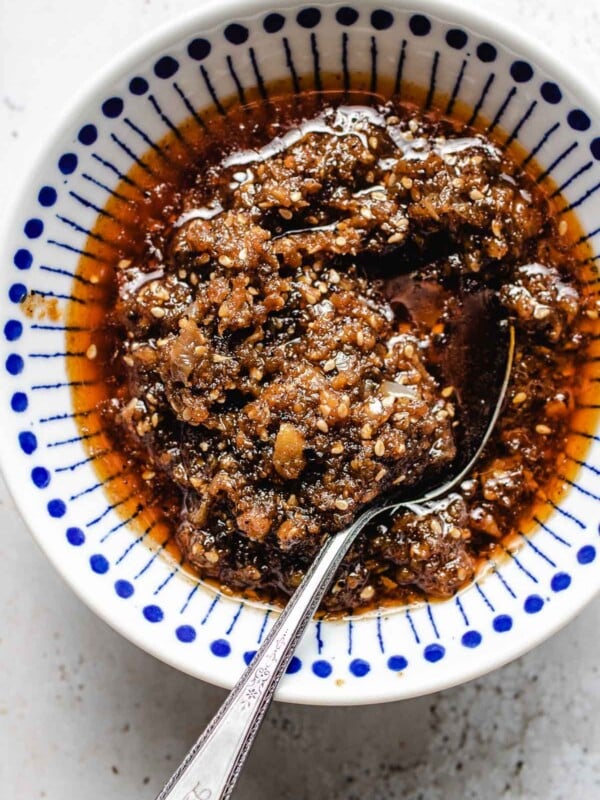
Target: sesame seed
{"points": [[406, 182], [343, 410], [243, 254], [124, 263], [91, 352], [128, 360], [543, 430], [322, 425], [373, 142], [211, 556], [285, 213], [409, 350], [360, 338], [157, 312], [340, 241], [591, 313], [496, 228], [154, 419], [225, 261], [541, 312], [366, 431], [395, 237], [476, 195], [366, 213], [519, 398], [368, 593], [380, 475], [563, 227], [295, 197], [329, 365], [379, 448], [337, 448], [458, 183], [341, 504], [447, 391], [455, 533]]}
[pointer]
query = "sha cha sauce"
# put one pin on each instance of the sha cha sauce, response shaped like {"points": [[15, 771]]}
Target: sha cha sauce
{"points": [[274, 291]]}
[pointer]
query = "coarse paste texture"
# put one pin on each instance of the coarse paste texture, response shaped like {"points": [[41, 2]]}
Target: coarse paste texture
{"points": [[282, 347]]}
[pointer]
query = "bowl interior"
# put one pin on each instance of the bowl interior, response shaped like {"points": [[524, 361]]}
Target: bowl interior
{"points": [[222, 51]]}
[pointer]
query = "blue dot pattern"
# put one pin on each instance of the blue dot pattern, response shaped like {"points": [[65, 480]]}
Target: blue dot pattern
{"points": [[19, 402], [153, 613], [397, 663], [112, 107], [486, 52], [67, 163], [166, 67], [23, 259], [220, 648], [28, 442], [199, 49], [57, 508], [75, 537], [40, 477], [456, 38], [322, 668], [346, 15], [294, 666], [47, 196], [236, 34], [502, 623], [88, 134], [273, 23], [124, 589], [33, 228], [521, 71], [309, 17], [382, 20], [595, 148], [434, 652], [586, 554], [185, 633], [533, 604], [14, 364], [551, 92], [471, 639], [248, 656], [17, 292], [138, 86], [560, 582], [13, 330], [99, 564], [359, 667], [419, 25], [578, 120]]}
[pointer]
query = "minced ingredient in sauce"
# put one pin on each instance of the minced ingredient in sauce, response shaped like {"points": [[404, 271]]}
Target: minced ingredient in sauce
{"points": [[276, 343]]}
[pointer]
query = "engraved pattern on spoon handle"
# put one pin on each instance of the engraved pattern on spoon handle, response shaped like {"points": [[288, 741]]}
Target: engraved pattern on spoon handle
{"points": [[211, 768]]}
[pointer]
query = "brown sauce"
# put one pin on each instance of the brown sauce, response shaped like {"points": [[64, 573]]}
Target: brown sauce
{"points": [[161, 202]]}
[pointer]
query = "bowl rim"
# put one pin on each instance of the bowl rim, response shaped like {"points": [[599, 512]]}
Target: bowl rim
{"points": [[211, 14]]}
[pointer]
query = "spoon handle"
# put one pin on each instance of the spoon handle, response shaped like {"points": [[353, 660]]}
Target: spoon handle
{"points": [[211, 768]]}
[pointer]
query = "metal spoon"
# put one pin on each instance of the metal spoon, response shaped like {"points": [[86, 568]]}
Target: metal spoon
{"points": [[211, 768]]}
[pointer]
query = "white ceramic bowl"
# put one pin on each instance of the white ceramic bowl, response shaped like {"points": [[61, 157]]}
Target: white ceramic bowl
{"points": [[393, 655]]}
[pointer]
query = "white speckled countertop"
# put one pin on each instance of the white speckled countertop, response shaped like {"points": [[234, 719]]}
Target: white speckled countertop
{"points": [[84, 714]]}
